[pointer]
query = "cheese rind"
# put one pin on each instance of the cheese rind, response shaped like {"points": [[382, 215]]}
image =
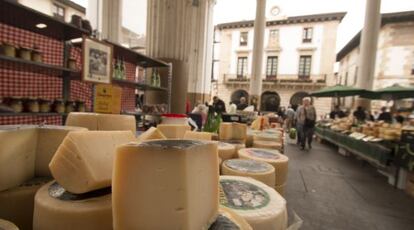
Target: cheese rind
{"points": [[268, 145], [260, 205], [103, 122], [192, 135], [238, 144], [281, 189], [151, 134], [226, 151], [173, 131], [229, 220], [258, 170], [86, 120], [55, 208], [84, 160], [232, 131], [175, 181], [7, 225], [273, 157]]}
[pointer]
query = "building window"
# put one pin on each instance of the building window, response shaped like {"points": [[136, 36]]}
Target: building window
{"points": [[271, 67], [243, 38], [241, 67], [307, 34], [305, 63], [58, 11], [273, 37]]}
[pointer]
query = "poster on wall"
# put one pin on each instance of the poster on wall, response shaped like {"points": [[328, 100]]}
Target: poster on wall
{"points": [[107, 99], [97, 61]]}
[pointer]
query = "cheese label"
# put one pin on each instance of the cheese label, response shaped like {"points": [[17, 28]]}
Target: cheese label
{"points": [[248, 165], [262, 153], [58, 192], [223, 223], [178, 144], [242, 195]]}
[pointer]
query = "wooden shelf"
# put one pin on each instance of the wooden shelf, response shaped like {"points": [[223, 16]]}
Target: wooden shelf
{"points": [[33, 114], [137, 85]]}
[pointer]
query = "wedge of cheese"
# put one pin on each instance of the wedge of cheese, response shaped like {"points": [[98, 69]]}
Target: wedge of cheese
{"points": [[84, 160], [229, 220], [165, 184], [173, 131], [191, 135], [258, 170], [104, 122], [151, 134], [7, 225], [260, 205], [232, 131], [56, 208], [226, 151]]}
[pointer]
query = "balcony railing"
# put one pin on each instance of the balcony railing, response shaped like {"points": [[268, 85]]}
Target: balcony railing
{"points": [[282, 79]]}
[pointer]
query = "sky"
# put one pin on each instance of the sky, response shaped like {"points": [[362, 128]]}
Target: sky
{"points": [[236, 10]]}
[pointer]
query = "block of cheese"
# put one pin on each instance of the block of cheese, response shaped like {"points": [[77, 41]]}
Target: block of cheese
{"points": [[281, 189], [268, 145], [232, 131], [165, 184], [151, 134], [7, 225], [191, 135], [84, 160], [86, 120], [17, 154], [273, 157], [229, 220], [16, 204], [260, 205], [56, 208], [238, 144], [104, 122], [49, 138], [258, 170], [173, 131], [226, 150]]}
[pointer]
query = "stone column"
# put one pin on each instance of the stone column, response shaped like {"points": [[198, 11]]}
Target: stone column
{"points": [[368, 48], [257, 61], [106, 17]]}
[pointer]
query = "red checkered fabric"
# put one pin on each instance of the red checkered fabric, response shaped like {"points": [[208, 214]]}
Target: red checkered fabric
{"points": [[13, 120], [128, 94]]}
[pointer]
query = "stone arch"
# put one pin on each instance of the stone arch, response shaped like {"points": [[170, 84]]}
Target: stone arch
{"points": [[297, 97], [236, 95], [269, 101]]}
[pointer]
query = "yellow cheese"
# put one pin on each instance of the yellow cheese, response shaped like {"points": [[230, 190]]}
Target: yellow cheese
{"points": [[84, 160], [273, 157], [191, 135], [16, 204], [260, 205], [232, 131], [86, 120], [17, 154], [258, 170], [229, 220], [104, 122], [226, 151], [48, 140], [281, 189], [165, 184], [173, 131], [151, 134], [238, 144], [55, 208], [268, 145], [7, 225], [268, 135]]}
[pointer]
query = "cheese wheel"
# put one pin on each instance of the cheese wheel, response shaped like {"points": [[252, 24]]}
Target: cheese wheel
{"points": [[16, 204], [17, 154], [268, 145], [7, 225], [267, 136], [226, 151], [229, 220], [56, 208], [175, 181], [273, 157], [151, 134], [258, 170], [48, 140], [281, 189], [239, 144], [173, 131], [232, 131], [104, 122], [84, 160], [260, 205], [192, 135]]}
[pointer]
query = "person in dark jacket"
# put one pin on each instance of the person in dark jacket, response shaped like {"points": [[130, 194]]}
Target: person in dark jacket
{"points": [[219, 105], [243, 104], [336, 113], [385, 116], [360, 114]]}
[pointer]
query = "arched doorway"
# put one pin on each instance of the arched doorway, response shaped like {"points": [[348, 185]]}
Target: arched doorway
{"points": [[270, 101], [236, 95], [296, 98]]}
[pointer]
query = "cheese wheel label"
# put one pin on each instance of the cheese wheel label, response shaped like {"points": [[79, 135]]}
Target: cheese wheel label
{"points": [[262, 153], [57, 191], [251, 166], [242, 195], [223, 223]]}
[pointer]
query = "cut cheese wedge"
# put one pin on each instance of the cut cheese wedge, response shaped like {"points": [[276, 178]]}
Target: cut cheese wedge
{"points": [[16, 204], [165, 184], [191, 135], [55, 208], [226, 151], [232, 131], [229, 220], [281, 189], [258, 170], [151, 134], [273, 157], [260, 205], [104, 122], [268, 145], [7, 225], [84, 160], [173, 131]]}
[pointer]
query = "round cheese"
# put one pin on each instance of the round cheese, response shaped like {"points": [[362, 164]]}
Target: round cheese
{"points": [[16, 204], [226, 151], [260, 205], [258, 170], [268, 136], [281, 189], [229, 220], [239, 144], [55, 208], [273, 157], [268, 145], [7, 225]]}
